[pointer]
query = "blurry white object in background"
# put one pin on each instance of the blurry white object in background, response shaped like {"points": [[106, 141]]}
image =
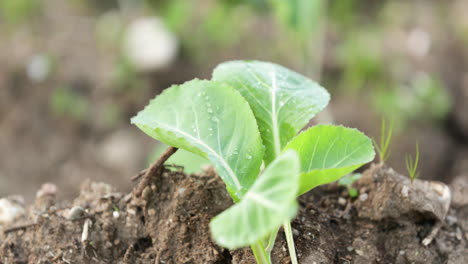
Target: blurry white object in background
{"points": [[10, 209], [39, 68], [120, 151], [419, 42], [149, 45], [47, 189]]}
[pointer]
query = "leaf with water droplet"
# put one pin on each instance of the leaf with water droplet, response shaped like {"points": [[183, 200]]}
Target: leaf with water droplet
{"points": [[171, 116], [270, 202], [270, 90]]}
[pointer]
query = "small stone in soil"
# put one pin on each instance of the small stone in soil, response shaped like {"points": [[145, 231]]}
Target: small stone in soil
{"points": [[75, 212], [451, 219], [116, 214], [295, 232], [341, 201], [151, 212], [404, 191], [363, 197]]}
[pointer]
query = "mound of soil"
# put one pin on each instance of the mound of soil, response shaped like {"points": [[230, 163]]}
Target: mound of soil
{"points": [[387, 223]]}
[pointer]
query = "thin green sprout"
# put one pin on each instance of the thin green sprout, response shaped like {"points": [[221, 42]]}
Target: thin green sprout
{"points": [[412, 165], [383, 149]]}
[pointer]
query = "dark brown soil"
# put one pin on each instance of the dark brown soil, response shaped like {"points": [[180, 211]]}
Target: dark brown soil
{"points": [[169, 224]]}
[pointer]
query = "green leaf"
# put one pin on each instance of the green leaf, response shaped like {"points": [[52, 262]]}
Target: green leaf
{"points": [[270, 202], [328, 153], [283, 101], [212, 120]]}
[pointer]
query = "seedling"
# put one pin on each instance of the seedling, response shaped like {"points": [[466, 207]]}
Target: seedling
{"points": [[412, 165], [348, 181], [383, 149], [249, 114]]}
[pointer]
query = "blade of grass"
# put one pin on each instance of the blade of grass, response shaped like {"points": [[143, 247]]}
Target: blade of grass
{"points": [[412, 165], [383, 147]]}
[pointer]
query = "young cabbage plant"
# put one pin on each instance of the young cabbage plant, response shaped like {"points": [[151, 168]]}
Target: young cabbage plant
{"points": [[283, 102], [251, 112], [213, 120]]}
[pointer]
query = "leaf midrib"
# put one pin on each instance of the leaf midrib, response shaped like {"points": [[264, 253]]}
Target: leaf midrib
{"points": [[261, 200], [274, 118]]}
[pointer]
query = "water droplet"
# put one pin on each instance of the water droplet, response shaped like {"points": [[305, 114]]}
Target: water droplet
{"points": [[210, 129], [281, 103], [209, 110], [249, 157]]}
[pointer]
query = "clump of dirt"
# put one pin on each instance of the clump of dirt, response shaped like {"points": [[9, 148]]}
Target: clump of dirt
{"points": [[167, 225], [170, 224]]}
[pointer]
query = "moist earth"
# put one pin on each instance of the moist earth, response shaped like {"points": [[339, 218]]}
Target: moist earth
{"points": [[387, 223]]}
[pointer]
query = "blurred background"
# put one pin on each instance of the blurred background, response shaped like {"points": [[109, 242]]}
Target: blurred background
{"points": [[72, 74]]}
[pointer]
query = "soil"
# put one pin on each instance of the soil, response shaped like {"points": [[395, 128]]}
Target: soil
{"points": [[387, 223]]}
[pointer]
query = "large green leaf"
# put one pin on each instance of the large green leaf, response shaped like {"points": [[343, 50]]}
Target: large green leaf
{"points": [[212, 120], [283, 101], [329, 152], [270, 202]]}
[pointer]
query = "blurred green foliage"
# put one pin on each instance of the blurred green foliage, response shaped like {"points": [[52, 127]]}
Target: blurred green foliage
{"points": [[361, 57], [67, 103], [359, 53], [125, 76], [112, 115], [301, 16], [424, 99], [342, 14], [176, 14], [109, 30], [294, 32], [18, 11]]}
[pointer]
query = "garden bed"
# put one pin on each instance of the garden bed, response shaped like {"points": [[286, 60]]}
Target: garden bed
{"points": [[386, 223]]}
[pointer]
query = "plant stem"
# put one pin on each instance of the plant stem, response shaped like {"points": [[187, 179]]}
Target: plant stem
{"points": [[271, 241], [152, 170], [261, 256], [290, 240]]}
